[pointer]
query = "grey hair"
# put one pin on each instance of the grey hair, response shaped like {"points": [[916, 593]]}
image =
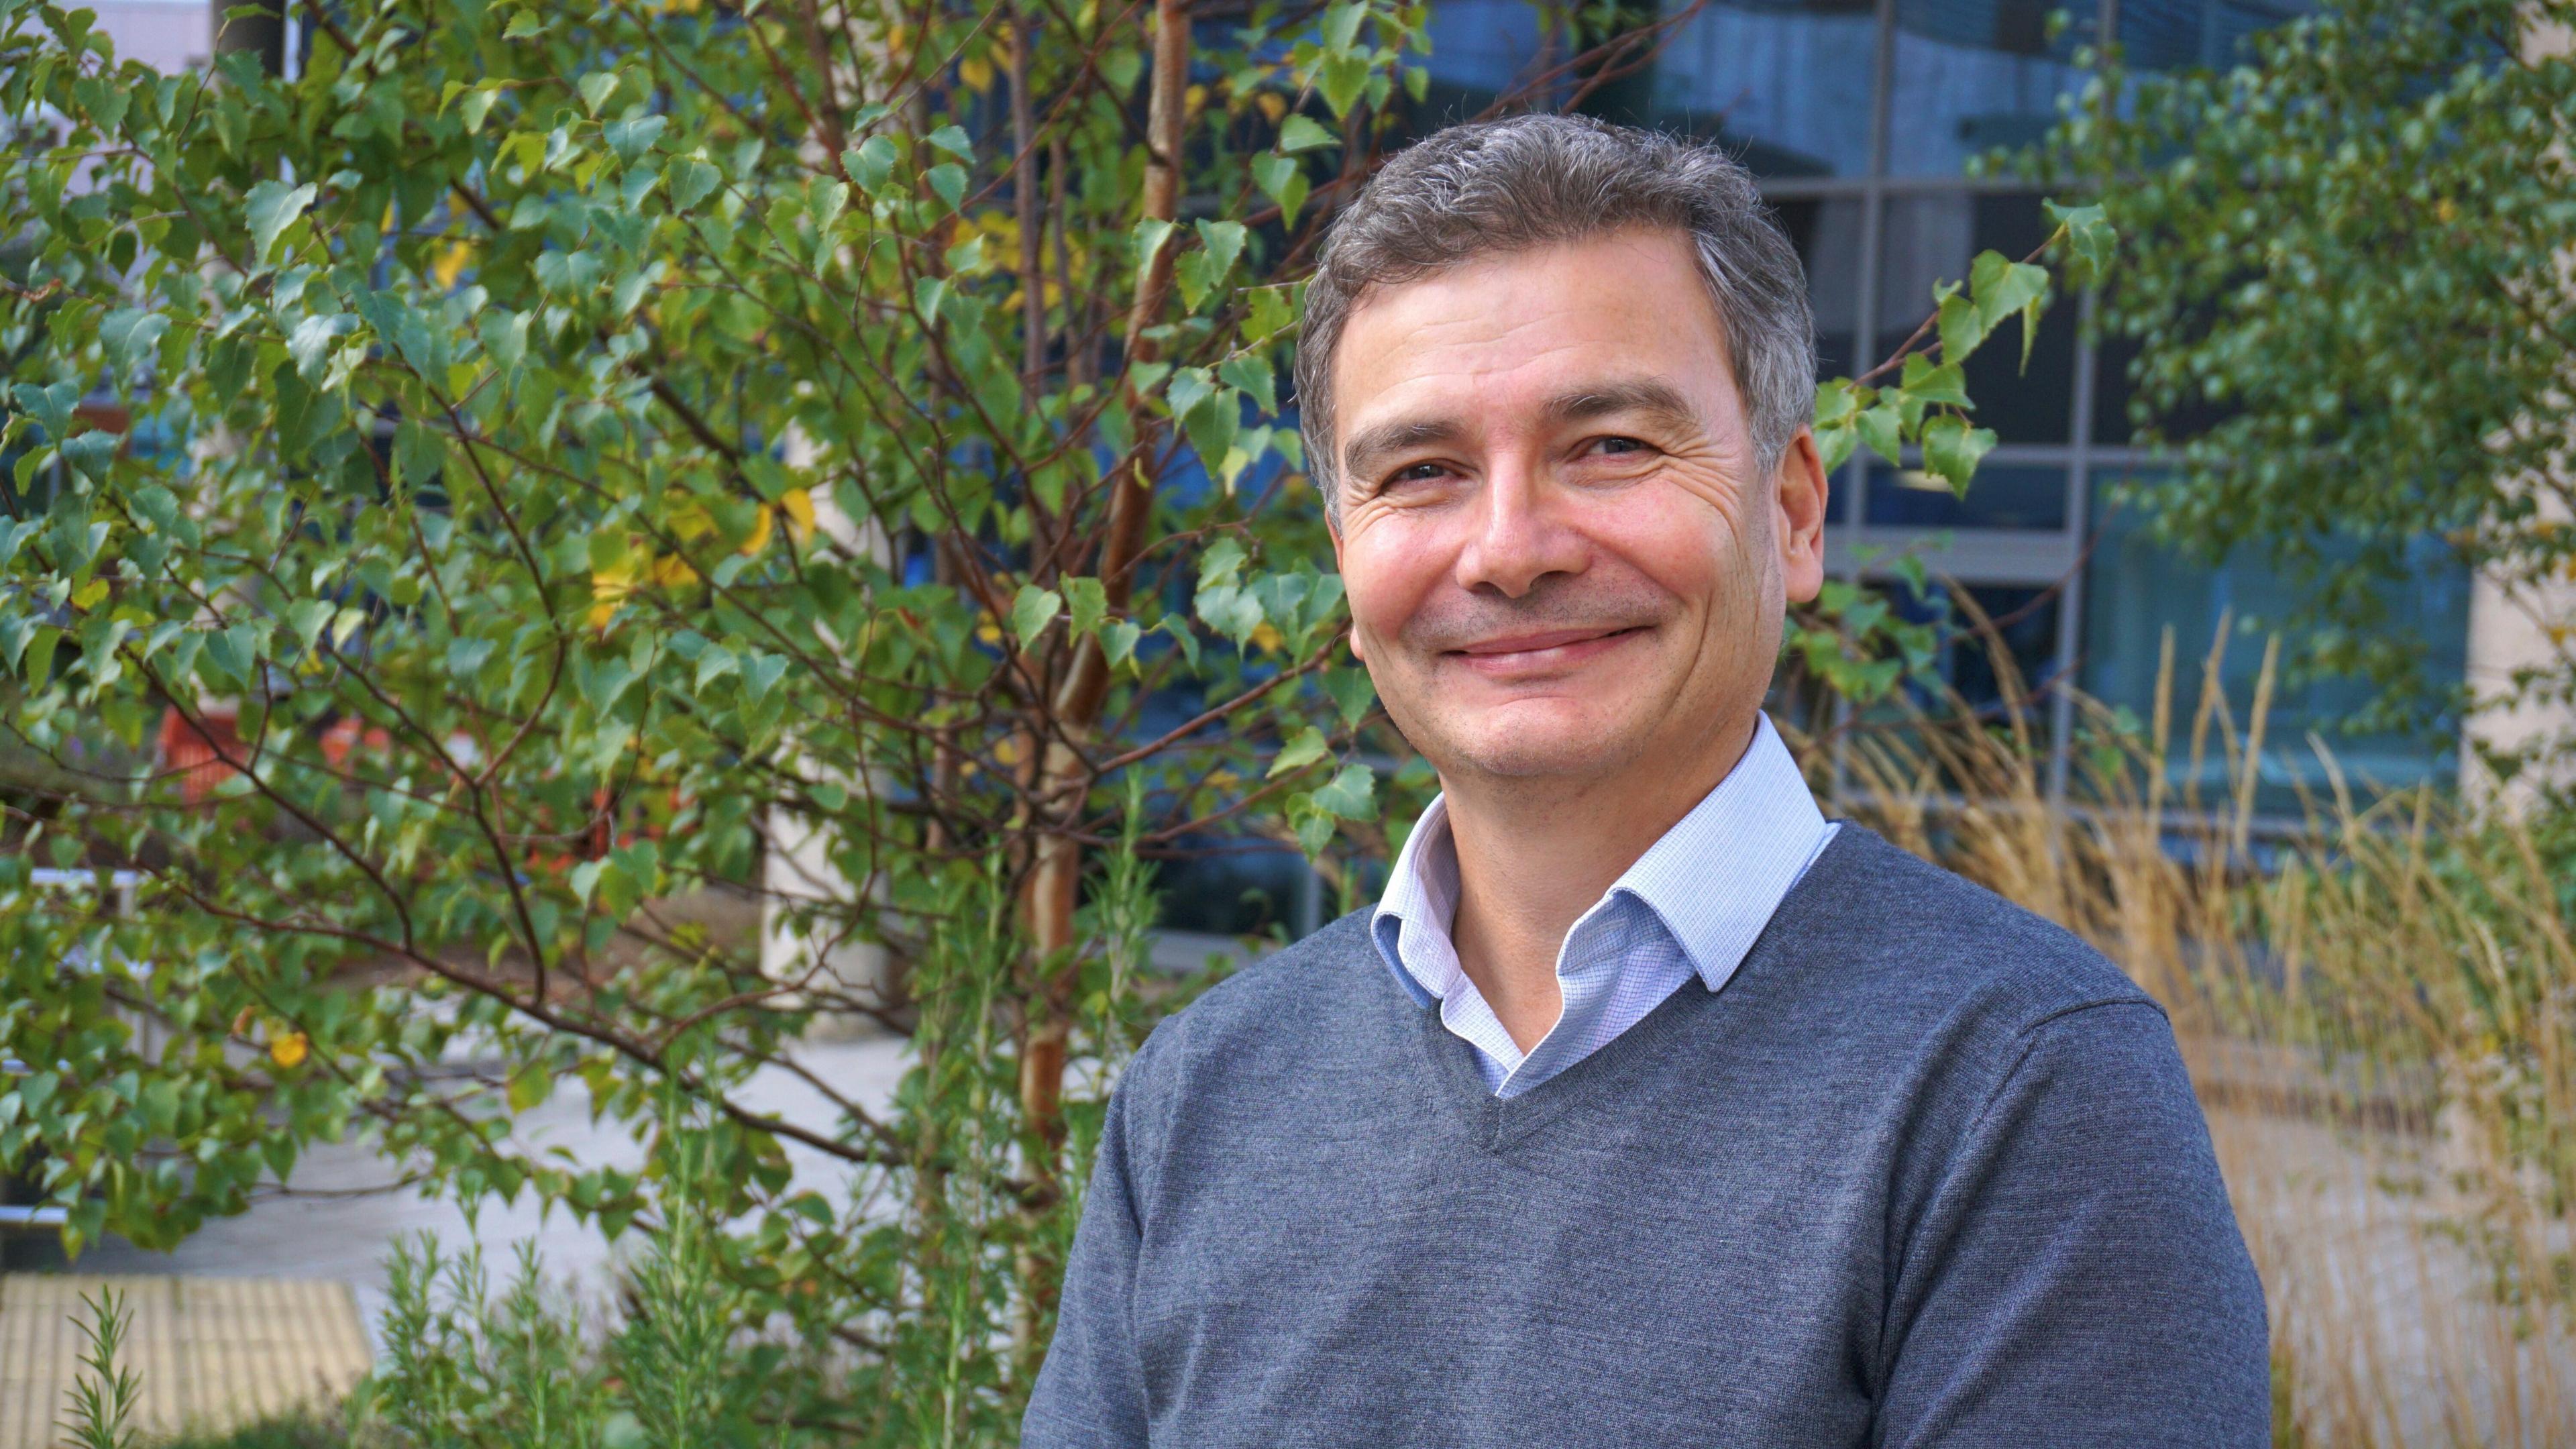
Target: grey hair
{"points": [[1538, 180]]}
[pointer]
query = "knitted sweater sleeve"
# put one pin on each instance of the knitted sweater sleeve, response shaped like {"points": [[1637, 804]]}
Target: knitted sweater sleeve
{"points": [[1090, 1393], [2076, 1276]]}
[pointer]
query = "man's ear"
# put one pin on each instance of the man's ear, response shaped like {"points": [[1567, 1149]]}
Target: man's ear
{"points": [[1798, 502]]}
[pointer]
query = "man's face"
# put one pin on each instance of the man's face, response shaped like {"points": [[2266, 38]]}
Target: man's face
{"points": [[1559, 558]]}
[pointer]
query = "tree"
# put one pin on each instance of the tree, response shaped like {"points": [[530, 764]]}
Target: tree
{"points": [[2348, 278], [599, 445]]}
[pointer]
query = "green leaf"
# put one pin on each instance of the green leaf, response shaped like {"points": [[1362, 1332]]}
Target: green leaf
{"points": [[310, 343], [1223, 242], [1951, 449], [1963, 328], [1304, 133], [1283, 180], [1118, 641], [466, 657], [761, 673], [948, 180], [305, 618], [596, 88], [691, 181], [505, 335], [871, 164], [1946, 384], [529, 1085], [2090, 241], [1308, 747], [954, 141], [1342, 24], [1879, 429], [1252, 375], [1089, 602], [129, 335], [1032, 611], [420, 453], [270, 209], [1340, 79], [50, 406], [1353, 694], [2003, 287], [630, 139], [235, 651], [1351, 794]]}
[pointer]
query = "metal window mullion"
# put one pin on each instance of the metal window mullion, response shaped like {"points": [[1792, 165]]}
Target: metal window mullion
{"points": [[2079, 513], [1873, 209]]}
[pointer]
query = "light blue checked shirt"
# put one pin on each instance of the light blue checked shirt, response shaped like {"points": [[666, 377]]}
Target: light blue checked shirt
{"points": [[1691, 905]]}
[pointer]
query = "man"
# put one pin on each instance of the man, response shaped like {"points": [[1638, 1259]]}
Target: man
{"points": [[1648, 1108]]}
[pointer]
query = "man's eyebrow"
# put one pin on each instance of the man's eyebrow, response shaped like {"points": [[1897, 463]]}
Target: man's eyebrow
{"points": [[1372, 446], [1648, 395]]}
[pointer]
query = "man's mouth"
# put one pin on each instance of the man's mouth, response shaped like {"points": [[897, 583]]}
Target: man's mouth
{"points": [[1543, 650]]}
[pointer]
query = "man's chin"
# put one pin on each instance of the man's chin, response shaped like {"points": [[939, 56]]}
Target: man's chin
{"points": [[1580, 746]]}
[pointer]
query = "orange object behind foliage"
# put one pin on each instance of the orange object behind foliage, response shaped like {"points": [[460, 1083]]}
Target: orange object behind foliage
{"points": [[197, 751]]}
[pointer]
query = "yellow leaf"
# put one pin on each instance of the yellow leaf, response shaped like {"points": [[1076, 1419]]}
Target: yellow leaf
{"points": [[1193, 100], [799, 504], [673, 571], [1273, 105], [450, 263], [88, 595], [689, 521], [977, 73], [759, 533], [1266, 638], [289, 1050]]}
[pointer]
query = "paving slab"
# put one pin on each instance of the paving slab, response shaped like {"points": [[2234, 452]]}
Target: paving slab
{"points": [[210, 1353]]}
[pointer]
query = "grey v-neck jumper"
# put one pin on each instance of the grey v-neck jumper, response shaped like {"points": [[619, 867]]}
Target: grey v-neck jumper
{"points": [[1926, 1171]]}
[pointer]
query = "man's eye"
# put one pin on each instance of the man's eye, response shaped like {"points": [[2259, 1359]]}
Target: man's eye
{"points": [[1418, 473], [1618, 445]]}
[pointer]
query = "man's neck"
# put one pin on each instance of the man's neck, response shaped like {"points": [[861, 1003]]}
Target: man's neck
{"points": [[1533, 857]]}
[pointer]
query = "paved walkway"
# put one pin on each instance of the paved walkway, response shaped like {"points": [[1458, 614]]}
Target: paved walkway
{"points": [[210, 1353], [336, 1230]]}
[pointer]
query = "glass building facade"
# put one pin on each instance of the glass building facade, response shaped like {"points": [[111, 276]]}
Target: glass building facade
{"points": [[1861, 117]]}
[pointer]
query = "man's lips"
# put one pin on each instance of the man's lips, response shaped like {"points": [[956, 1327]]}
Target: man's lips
{"points": [[1546, 650]]}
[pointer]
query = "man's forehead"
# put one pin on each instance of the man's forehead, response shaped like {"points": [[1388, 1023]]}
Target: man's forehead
{"points": [[1540, 323]]}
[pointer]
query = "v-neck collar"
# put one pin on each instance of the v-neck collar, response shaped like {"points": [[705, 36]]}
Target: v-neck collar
{"points": [[1497, 1124]]}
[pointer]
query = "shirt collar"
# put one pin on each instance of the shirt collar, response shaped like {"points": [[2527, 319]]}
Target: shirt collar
{"points": [[1713, 880]]}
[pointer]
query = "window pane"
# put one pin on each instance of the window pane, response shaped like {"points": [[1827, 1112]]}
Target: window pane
{"points": [[1826, 232], [2137, 587], [1784, 82], [2002, 495], [1972, 75], [2019, 638], [1479, 49], [1933, 239], [2171, 34]]}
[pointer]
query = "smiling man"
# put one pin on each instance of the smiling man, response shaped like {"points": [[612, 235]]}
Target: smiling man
{"points": [[1648, 1107]]}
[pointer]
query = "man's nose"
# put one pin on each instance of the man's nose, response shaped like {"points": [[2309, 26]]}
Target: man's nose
{"points": [[1519, 534]]}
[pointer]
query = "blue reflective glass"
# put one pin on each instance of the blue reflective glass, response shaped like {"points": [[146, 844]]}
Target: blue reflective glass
{"points": [[1786, 83], [1479, 49], [2137, 588], [1974, 75], [1826, 230], [2173, 34], [2002, 495]]}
